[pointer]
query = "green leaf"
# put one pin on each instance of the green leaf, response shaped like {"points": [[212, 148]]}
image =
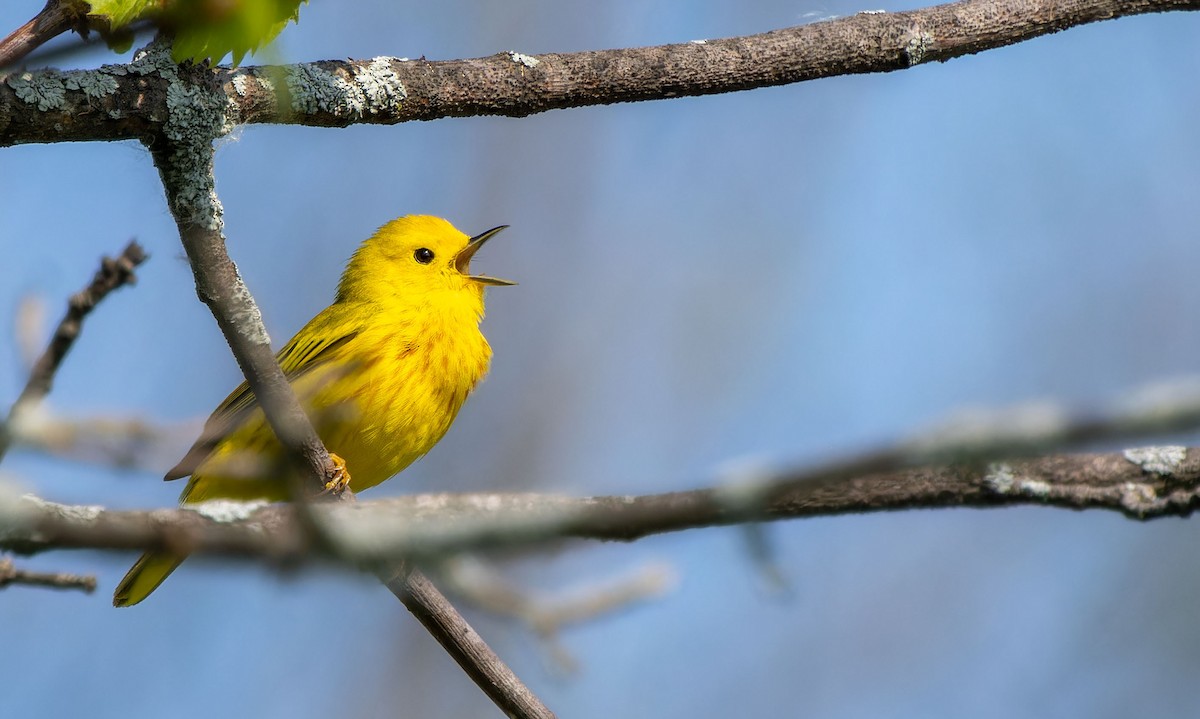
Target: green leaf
{"points": [[119, 13], [203, 29]]}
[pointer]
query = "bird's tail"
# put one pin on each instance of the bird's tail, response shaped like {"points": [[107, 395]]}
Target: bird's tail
{"points": [[145, 576]]}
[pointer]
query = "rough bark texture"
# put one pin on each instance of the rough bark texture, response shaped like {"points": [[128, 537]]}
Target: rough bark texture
{"points": [[118, 102]]}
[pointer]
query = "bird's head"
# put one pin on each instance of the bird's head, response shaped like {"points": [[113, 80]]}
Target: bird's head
{"points": [[416, 257]]}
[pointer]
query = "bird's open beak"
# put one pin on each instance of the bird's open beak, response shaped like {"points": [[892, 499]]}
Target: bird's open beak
{"points": [[462, 261]]}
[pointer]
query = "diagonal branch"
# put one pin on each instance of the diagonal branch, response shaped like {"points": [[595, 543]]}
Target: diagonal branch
{"points": [[113, 273], [220, 286], [463, 644], [133, 101], [183, 155], [57, 17]]}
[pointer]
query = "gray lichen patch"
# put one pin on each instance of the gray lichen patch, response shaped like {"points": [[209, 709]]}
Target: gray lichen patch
{"points": [[522, 59], [44, 89], [194, 113], [919, 44], [314, 89], [1002, 479], [373, 89], [249, 322], [1164, 461], [239, 84], [381, 86], [197, 114], [187, 174], [93, 83], [154, 58]]}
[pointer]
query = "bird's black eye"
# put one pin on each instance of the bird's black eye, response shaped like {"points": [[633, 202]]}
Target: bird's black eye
{"points": [[424, 255]]}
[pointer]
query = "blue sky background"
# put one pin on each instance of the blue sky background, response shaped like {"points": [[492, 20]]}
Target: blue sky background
{"points": [[782, 274]]}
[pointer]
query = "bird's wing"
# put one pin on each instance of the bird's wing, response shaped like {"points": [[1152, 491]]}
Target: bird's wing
{"points": [[307, 351]]}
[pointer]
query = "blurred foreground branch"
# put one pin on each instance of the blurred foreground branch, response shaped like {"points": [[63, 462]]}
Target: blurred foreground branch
{"points": [[100, 440], [479, 582], [1139, 483]]}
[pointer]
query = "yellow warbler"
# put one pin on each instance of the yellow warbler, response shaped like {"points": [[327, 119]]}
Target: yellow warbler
{"points": [[381, 372]]}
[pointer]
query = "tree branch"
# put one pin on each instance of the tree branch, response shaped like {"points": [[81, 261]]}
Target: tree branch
{"points": [[481, 584], [131, 101], [113, 273], [55, 18], [463, 643], [1141, 484], [183, 154], [10, 574]]}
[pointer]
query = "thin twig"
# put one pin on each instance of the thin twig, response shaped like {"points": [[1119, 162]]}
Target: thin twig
{"points": [[113, 273], [464, 644], [10, 574], [55, 18]]}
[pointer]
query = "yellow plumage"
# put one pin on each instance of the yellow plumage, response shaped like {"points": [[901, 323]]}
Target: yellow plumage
{"points": [[381, 372]]}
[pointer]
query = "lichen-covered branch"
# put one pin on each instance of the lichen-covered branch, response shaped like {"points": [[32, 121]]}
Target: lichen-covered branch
{"points": [[118, 102], [183, 154], [1141, 484], [113, 273]]}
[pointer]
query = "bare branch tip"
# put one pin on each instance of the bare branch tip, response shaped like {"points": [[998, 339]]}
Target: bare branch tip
{"points": [[10, 574]]}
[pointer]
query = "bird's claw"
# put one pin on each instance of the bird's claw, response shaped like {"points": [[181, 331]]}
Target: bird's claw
{"points": [[339, 479]]}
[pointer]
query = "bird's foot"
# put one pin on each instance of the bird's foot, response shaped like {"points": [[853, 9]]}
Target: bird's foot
{"points": [[339, 479]]}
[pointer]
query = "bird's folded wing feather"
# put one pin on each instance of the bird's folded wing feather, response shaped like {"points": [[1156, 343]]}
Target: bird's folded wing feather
{"points": [[307, 351]]}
